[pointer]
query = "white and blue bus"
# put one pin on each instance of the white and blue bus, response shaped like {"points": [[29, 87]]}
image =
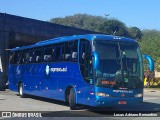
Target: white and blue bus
{"points": [[95, 70]]}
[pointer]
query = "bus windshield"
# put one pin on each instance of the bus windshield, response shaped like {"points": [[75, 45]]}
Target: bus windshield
{"points": [[119, 65]]}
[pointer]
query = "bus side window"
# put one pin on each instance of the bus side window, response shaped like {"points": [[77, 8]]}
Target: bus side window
{"points": [[59, 53], [67, 56], [31, 56], [12, 58], [71, 51], [74, 51], [85, 49], [82, 52], [47, 57], [85, 60], [38, 55], [19, 58], [62, 53], [26, 57]]}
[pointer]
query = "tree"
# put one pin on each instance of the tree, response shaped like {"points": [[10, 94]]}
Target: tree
{"points": [[150, 44], [83, 21], [114, 27], [135, 33], [98, 24]]}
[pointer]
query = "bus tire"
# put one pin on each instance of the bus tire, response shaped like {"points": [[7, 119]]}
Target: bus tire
{"points": [[72, 99], [21, 92]]}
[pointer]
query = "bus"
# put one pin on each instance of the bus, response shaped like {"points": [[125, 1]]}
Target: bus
{"points": [[94, 70]]}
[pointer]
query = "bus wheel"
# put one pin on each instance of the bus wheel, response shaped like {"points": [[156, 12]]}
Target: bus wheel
{"points": [[21, 93], [72, 99]]}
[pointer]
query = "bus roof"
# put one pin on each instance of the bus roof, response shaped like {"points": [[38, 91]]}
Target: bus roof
{"points": [[70, 38]]}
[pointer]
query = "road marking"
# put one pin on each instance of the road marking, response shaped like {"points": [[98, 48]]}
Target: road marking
{"points": [[149, 98]]}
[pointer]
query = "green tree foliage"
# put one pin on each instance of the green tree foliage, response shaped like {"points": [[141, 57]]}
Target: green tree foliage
{"points": [[83, 21], [135, 33], [150, 44], [114, 27], [98, 24]]}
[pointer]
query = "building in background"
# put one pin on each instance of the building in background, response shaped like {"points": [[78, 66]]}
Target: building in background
{"points": [[19, 31]]}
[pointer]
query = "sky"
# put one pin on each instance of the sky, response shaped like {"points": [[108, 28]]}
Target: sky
{"points": [[143, 14]]}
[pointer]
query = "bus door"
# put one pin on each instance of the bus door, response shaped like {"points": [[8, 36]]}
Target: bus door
{"points": [[85, 60]]}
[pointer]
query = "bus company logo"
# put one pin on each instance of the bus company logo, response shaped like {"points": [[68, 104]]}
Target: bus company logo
{"points": [[58, 69], [123, 91], [47, 69]]}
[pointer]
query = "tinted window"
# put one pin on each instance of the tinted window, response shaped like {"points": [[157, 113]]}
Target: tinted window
{"points": [[18, 58], [47, 57], [85, 59], [59, 52], [12, 58], [26, 57], [38, 55], [71, 49], [31, 56], [85, 49]]}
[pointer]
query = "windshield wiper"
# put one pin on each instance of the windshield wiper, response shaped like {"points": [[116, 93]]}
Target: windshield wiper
{"points": [[121, 64]]}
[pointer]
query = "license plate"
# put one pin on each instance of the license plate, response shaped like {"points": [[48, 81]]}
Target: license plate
{"points": [[122, 102]]}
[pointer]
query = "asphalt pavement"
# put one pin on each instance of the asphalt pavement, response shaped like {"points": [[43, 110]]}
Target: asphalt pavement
{"points": [[10, 101]]}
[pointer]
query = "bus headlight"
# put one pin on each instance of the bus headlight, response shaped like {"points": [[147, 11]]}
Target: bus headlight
{"points": [[138, 95], [102, 94]]}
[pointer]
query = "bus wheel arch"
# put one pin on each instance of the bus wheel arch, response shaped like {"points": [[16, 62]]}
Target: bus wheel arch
{"points": [[72, 99], [67, 92]]}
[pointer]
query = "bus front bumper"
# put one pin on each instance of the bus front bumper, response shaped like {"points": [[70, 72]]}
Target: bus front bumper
{"points": [[102, 102]]}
